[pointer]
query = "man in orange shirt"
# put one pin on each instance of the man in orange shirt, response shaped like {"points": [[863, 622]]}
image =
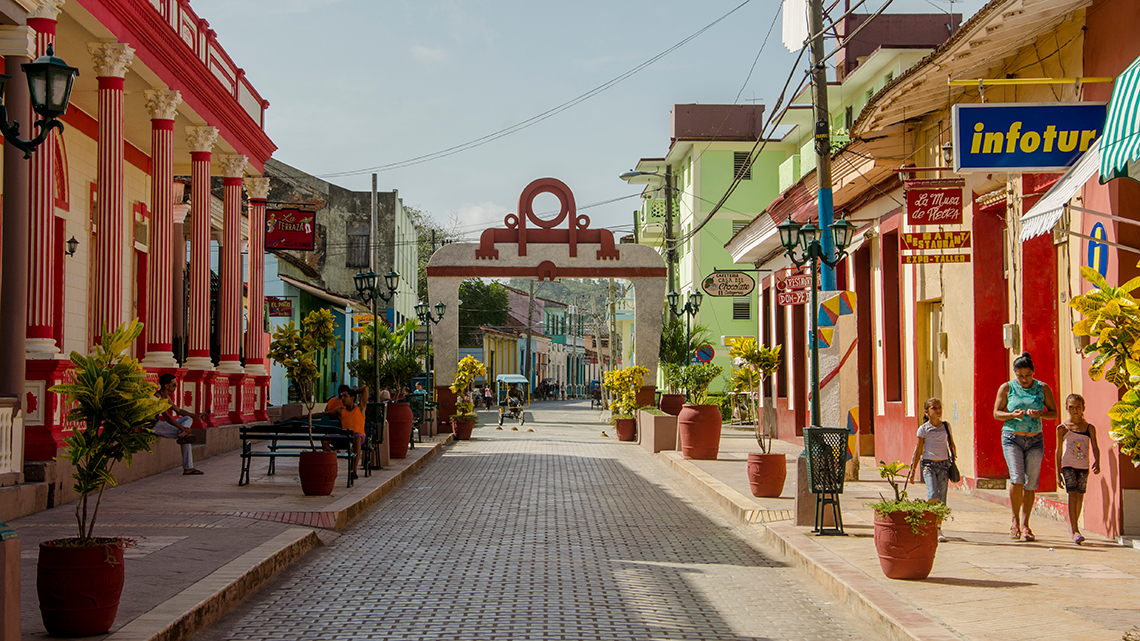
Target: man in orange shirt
{"points": [[351, 417]]}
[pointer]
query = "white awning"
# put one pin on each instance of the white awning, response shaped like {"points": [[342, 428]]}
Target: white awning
{"points": [[324, 294], [1042, 216]]}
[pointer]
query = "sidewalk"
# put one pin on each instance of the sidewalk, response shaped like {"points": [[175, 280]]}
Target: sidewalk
{"points": [[984, 586], [234, 548]]}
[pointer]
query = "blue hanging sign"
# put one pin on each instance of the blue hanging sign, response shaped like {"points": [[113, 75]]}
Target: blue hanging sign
{"points": [[1024, 137]]}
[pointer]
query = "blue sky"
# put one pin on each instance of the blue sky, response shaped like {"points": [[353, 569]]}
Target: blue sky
{"points": [[355, 84]]}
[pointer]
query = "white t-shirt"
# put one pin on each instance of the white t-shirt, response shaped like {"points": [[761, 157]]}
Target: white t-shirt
{"points": [[936, 446]]}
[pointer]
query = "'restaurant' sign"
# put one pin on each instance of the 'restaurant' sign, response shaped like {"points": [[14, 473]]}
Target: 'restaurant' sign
{"points": [[934, 202], [728, 284], [278, 307], [289, 229], [936, 240], [788, 279]]}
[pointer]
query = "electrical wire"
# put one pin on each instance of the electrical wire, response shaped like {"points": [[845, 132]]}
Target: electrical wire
{"points": [[482, 140]]}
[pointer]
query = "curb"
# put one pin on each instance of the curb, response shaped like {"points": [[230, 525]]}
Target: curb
{"points": [[739, 506], [198, 606], [886, 612]]}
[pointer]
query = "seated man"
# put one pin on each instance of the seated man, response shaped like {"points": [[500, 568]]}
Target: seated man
{"points": [[175, 422], [351, 417]]}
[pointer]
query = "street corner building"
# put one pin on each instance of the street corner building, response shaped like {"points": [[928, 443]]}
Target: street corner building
{"points": [[98, 230]]}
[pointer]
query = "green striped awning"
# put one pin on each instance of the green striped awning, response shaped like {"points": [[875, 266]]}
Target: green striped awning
{"points": [[1120, 142]]}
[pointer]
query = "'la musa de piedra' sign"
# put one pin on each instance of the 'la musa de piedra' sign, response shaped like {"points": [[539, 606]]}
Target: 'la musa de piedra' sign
{"points": [[1024, 137]]}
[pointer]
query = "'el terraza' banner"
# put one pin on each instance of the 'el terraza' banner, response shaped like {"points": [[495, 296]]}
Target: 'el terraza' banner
{"points": [[289, 229], [1024, 137]]}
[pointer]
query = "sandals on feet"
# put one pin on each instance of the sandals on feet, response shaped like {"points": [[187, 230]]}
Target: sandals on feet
{"points": [[1015, 532], [1029, 534], [192, 471], [1078, 538]]}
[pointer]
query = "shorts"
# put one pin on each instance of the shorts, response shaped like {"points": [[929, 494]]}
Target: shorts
{"points": [[1023, 456], [1075, 479], [341, 442], [936, 475]]}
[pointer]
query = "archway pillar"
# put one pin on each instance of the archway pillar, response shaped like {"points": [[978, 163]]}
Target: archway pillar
{"points": [[445, 343]]}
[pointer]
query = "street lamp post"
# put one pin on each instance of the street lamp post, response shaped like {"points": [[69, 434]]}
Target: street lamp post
{"points": [[369, 291], [692, 306], [423, 312], [811, 251]]}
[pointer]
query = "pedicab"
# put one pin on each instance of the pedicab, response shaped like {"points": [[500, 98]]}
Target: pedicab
{"points": [[513, 395]]}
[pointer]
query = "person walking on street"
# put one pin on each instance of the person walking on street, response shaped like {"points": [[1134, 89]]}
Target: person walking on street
{"points": [[175, 423], [1021, 404], [1076, 438], [936, 447], [487, 397]]}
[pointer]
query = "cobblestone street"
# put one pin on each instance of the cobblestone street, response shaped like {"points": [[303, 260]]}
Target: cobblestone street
{"points": [[555, 534]]}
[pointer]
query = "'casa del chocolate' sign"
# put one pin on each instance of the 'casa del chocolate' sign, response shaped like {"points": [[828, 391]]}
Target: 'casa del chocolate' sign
{"points": [[934, 202]]}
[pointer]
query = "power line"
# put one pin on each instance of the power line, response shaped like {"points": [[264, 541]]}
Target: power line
{"points": [[478, 142]]}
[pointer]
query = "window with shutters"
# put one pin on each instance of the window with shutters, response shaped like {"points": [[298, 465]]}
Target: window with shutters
{"points": [[742, 308], [740, 166], [357, 252], [738, 226]]}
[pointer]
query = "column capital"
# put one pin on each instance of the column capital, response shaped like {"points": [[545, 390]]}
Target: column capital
{"points": [[201, 138], [162, 103], [257, 187], [233, 165], [111, 58], [48, 9], [17, 41]]}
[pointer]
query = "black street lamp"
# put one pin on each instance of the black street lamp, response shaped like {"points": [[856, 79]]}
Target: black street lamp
{"points": [[692, 306], [368, 291], [423, 312], [807, 236], [49, 83]]}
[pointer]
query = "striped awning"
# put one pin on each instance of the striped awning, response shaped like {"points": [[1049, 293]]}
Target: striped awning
{"points": [[1047, 211], [1120, 142]]}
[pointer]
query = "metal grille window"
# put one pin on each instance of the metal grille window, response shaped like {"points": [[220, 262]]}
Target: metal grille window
{"points": [[357, 235], [738, 226], [742, 308], [740, 166]]}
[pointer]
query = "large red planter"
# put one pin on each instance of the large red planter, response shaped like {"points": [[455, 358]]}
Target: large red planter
{"points": [[699, 427], [318, 473], [399, 429], [671, 403], [463, 428], [79, 587], [626, 429], [902, 553], [766, 474]]}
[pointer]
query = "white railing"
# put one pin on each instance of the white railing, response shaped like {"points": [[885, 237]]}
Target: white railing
{"points": [[10, 442]]}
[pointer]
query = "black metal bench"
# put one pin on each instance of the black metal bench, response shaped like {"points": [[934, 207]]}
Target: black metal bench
{"points": [[288, 439]]}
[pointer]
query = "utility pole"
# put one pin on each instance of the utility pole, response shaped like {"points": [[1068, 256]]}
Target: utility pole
{"points": [[529, 333], [670, 251], [372, 263], [822, 140]]}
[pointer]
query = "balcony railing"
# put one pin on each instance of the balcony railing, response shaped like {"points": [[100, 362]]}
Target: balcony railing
{"points": [[10, 441]]}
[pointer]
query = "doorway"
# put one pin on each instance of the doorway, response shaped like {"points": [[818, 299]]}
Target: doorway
{"points": [[932, 339]]}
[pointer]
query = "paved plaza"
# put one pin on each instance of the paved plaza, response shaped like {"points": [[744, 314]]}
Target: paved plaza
{"points": [[553, 534]]}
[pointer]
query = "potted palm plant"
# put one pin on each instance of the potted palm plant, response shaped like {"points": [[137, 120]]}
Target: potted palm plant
{"points": [[624, 385], [399, 363], [79, 579], [767, 470], [463, 421], [906, 530], [673, 351], [295, 350], [699, 423]]}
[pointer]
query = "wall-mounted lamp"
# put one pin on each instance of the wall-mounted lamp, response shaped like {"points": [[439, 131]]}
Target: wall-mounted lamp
{"points": [[948, 153], [72, 245]]}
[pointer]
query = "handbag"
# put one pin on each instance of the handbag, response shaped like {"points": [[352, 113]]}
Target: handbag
{"points": [[955, 475]]}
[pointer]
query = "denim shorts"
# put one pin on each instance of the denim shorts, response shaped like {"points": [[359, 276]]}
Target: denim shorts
{"points": [[936, 475], [1023, 456], [1076, 479]]}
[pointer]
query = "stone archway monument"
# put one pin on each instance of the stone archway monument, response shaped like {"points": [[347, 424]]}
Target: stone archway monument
{"points": [[531, 247]]}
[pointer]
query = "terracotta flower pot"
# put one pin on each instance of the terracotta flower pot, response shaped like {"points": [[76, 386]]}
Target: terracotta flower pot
{"points": [[79, 587], [699, 426], [399, 429], [318, 473], [462, 428], [671, 403], [766, 474], [902, 553], [626, 429]]}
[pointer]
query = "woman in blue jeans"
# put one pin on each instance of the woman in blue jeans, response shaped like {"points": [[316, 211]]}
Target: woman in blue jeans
{"points": [[1021, 404]]}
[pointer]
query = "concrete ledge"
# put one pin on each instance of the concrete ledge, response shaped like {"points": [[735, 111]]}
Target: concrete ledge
{"points": [[736, 504], [203, 603]]}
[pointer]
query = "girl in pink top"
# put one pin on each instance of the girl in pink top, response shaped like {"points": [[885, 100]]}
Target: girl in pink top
{"points": [[1076, 439]]}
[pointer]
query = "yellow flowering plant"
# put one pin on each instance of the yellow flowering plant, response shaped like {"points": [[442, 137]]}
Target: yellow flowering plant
{"points": [[466, 372], [624, 385]]}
